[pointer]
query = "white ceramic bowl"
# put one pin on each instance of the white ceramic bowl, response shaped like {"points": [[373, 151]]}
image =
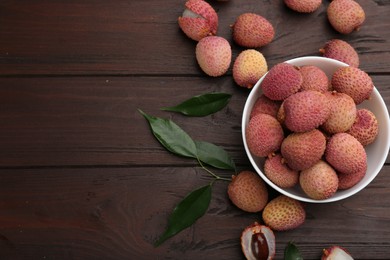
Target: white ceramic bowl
{"points": [[376, 152]]}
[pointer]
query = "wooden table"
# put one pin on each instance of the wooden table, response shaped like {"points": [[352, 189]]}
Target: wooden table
{"points": [[82, 176]]}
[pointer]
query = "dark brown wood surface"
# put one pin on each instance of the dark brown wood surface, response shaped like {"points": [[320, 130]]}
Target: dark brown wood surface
{"points": [[82, 176]]}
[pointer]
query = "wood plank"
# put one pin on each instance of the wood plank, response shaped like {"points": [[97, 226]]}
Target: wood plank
{"points": [[137, 37], [118, 213]]}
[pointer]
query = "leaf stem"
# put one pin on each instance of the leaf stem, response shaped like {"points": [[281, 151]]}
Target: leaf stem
{"points": [[211, 173]]}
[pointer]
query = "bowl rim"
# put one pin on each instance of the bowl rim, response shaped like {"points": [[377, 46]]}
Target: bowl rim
{"points": [[245, 119]]}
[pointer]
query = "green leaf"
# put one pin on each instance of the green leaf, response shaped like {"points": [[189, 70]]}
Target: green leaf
{"points": [[171, 136], [291, 252], [192, 207], [201, 105], [214, 155]]}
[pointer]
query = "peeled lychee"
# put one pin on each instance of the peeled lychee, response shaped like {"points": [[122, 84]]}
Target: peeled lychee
{"points": [[281, 81], [314, 79], [319, 181], [266, 106], [336, 253], [306, 110], [303, 150], [249, 66], [264, 135], [258, 242], [277, 170], [214, 55], [303, 6], [348, 180], [345, 16], [345, 153], [252, 31], [248, 191], [284, 213], [353, 82], [365, 128], [342, 51], [199, 20]]}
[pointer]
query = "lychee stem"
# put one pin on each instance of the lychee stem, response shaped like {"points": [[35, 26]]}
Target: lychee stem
{"points": [[211, 173]]}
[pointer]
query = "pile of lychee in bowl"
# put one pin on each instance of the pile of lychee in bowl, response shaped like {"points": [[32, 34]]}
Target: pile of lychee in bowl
{"points": [[316, 131]]}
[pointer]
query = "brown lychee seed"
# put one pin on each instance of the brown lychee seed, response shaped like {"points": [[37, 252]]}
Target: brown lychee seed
{"points": [[258, 242], [281, 81], [353, 82], [264, 135], [251, 30], [306, 110], [348, 180], [345, 153], [248, 191], [214, 55], [249, 66], [342, 51], [303, 6], [314, 79], [284, 213], [198, 20], [336, 252], [345, 16], [365, 128], [303, 150], [320, 181], [265, 105], [342, 113], [277, 170]]}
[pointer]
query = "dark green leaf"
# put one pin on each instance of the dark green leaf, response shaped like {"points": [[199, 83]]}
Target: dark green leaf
{"points": [[291, 252], [171, 136], [192, 207], [201, 105], [214, 155]]}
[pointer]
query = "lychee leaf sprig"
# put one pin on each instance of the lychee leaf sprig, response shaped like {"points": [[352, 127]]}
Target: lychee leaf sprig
{"points": [[292, 252]]}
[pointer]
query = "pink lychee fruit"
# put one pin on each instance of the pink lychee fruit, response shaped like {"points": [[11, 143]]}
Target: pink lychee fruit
{"points": [[303, 6], [348, 180], [365, 128], [314, 79], [342, 51], [266, 106], [345, 16], [277, 170], [249, 66]]}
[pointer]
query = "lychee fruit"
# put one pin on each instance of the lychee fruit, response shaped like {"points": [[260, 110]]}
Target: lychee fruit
{"points": [[198, 20], [348, 180], [342, 113], [314, 79], [365, 128], [248, 191], [342, 51], [266, 106], [345, 16], [303, 150], [283, 213], [336, 253], [319, 181], [277, 170], [258, 242], [249, 66], [345, 153], [281, 81], [353, 82], [303, 6], [264, 135], [306, 110], [252, 30], [214, 55]]}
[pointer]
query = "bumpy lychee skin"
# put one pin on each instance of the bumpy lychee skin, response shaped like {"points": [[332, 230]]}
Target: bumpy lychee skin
{"points": [[345, 16], [303, 150], [319, 181], [353, 82], [266, 106], [335, 253], [306, 110], [258, 242], [365, 128], [284, 213], [281, 81], [303, 6], [345, 153], [249, 66], [342, 51], [277, 170], [342, 114], [248, 191], [314, 79], [199, 20], [348, 180], [264, 135], [252, 31], [214, 55]]}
